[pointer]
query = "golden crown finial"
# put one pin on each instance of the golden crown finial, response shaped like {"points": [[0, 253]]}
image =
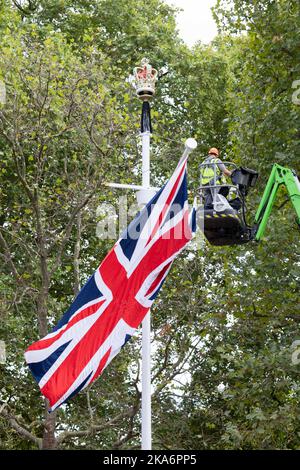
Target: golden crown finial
{"points": [[145, 78]]}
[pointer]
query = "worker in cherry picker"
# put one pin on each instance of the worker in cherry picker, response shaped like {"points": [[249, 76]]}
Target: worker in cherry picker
{"points": [[208, 167]]}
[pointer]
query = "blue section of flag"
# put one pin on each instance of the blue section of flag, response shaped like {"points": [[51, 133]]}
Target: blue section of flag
{"points": [[130, 236], [178, 202], [88, 293], [39, 369], [156, 292], [127, 338], [193, 217], [80, 387], [180, 197]]}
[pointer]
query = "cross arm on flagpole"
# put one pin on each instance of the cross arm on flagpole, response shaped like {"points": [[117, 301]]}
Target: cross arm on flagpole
{"points": [[135, 187]]}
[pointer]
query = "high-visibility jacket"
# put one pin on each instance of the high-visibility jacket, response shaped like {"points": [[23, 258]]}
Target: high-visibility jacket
{"points": [[208, 172]]}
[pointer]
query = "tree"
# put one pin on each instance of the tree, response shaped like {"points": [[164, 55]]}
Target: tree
{"points": [[58, 123], [264, 119], [225, 320]]}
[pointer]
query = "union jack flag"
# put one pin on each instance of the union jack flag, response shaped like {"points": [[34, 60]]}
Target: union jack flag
{"points": [[114, 301]]}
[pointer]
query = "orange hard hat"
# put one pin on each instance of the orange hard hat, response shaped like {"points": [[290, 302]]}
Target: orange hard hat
{"points": [[213, 151]]}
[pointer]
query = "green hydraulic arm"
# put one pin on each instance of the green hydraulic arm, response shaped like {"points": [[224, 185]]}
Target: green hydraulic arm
{"points": [[279, 176]]}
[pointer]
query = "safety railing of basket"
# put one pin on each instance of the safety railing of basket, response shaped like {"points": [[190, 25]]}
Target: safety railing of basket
{"points": [[215, 187]]}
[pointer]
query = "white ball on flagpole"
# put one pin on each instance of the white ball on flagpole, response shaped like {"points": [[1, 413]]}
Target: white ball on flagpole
{"points": [[191, 143]]}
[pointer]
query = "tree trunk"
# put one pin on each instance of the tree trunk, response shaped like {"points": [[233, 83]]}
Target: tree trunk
{"points": [[49, 439]]}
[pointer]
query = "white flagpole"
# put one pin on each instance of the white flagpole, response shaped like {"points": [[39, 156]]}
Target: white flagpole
{"points": [[146, 324], [145, 78]]}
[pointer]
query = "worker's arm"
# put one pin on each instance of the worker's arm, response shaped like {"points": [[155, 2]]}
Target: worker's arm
{"points": [[226, 172], [223, 168]]}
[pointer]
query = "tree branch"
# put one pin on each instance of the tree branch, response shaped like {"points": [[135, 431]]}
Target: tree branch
{"points": [[176, 369], [9, 259], [23, 432], [165, 362], [95, 428], [68, 230]]}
